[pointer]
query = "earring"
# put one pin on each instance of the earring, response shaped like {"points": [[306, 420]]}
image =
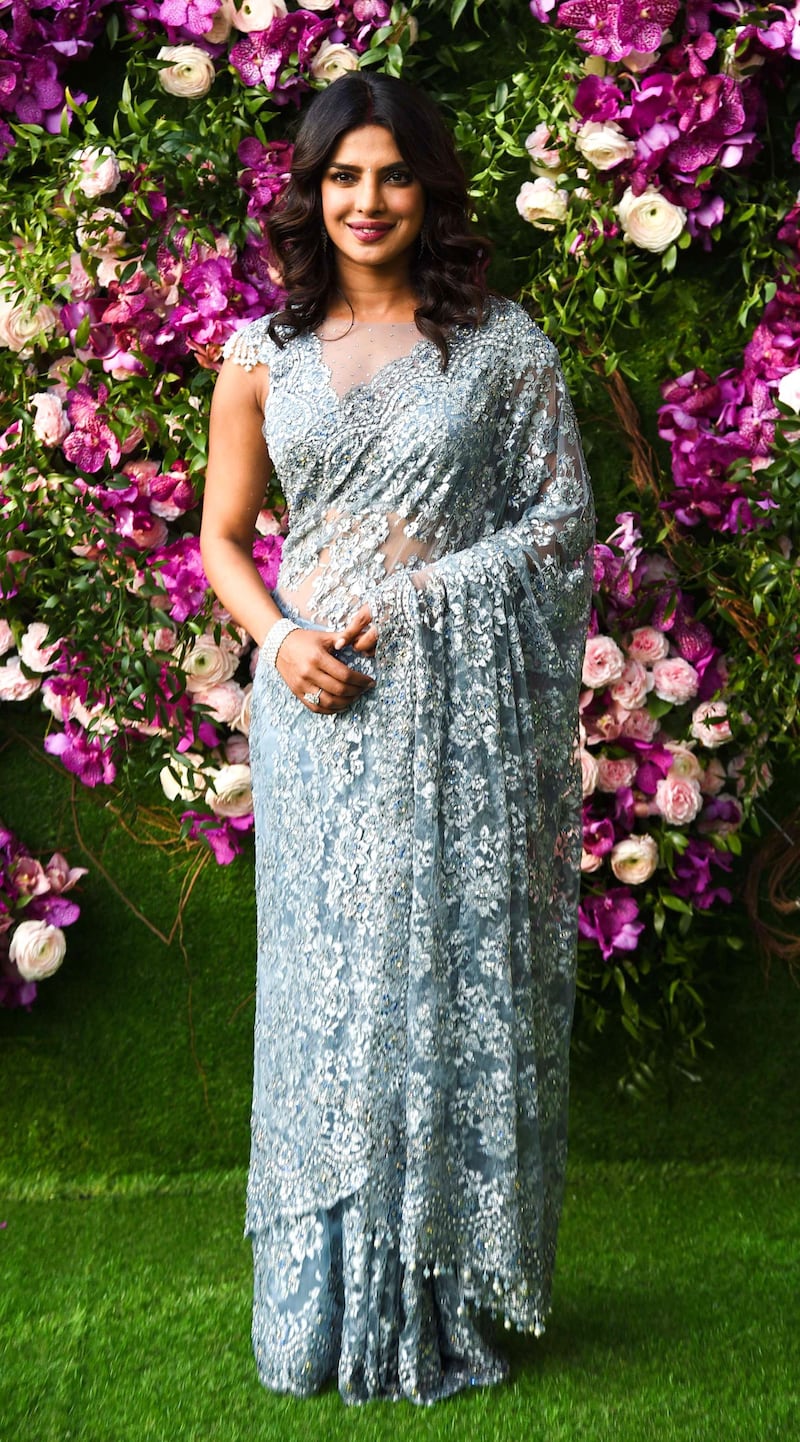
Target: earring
{"points": [[424, 243]]}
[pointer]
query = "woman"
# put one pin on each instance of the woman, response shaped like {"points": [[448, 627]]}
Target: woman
{"points": [[412, 748]]}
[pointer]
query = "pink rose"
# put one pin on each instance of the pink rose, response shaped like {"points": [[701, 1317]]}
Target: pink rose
{"points": [[242, 722], [613, 775], [6, 637], [97, 171], [35, 654], [51, 424], [710, 724], [14, 686], [237, 751], [678, 799], [675, 680], [647, 645], [713, 778], [639, 725], [590, 861], [631, 690], [603, 662], [588, 772], [223, 701], [635, 859]]}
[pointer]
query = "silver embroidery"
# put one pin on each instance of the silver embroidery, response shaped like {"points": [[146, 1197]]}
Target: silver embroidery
{"points": [[417, 863]]}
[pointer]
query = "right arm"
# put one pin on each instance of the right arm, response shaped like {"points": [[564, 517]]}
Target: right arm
{"points": [[238, 473]]}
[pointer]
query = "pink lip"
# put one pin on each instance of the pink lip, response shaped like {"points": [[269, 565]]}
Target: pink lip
{"points": [[370, 233]]}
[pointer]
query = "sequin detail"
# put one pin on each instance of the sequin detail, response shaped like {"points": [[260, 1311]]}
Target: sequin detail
{"points": [[417, 863]]}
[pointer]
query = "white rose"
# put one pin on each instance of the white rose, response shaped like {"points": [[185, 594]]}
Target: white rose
{"points": [[603, 145], [19, 325], [789, 390], [635, 859], [650, 220], [207, 664], [97, 170], [258, 14], [191, 73], [230, 792], [541, 203], [183, 780], [332, 60], [50, 425], [37, 949], [319, 5]]}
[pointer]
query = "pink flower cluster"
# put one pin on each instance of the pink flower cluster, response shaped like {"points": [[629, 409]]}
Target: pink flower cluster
{"points": [[652, 723], [673, 119], [284, 51], [711, 424], [123, 315], [38, 42], [33, 911]]}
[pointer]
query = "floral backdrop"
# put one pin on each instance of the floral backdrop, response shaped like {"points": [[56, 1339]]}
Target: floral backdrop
{"points": [[638, 166]]}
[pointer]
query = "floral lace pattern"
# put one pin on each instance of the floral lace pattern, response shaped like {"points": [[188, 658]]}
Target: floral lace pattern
{"points": [[417, 863]]}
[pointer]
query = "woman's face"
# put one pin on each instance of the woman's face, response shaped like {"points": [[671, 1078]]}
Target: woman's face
{"points": [[372, 205]]}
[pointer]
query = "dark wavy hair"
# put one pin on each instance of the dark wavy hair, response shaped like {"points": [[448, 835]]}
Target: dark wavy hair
{"points": [[449, 271]]}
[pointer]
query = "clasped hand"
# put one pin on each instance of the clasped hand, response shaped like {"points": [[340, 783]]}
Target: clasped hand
{"points": [[307, 663]]}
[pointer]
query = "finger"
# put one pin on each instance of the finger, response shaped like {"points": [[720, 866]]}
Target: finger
{"points": [[365, 643], [338, 677], [357, 623]]}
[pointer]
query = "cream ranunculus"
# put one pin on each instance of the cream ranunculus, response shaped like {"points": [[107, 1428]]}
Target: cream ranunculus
{"points": [[230, 792], [650, 220], [37, 949], [332, 60], [207, 664], [19, 325], [542, 203], [183, 780], [258, 14], [789, 390], [635, 859], [191, 73], [603, 144]]}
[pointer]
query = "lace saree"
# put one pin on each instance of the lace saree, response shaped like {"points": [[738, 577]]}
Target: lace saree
{"points": [[417, 857]]}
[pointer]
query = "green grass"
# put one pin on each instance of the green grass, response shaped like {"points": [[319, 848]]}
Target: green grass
{"points": [[124, 1112]]}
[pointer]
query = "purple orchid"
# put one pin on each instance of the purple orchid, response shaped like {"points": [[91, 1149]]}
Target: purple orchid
{"points": [[611, 921]]}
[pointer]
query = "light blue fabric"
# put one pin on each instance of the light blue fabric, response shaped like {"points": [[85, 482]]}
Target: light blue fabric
{"points": [[417, 864]]}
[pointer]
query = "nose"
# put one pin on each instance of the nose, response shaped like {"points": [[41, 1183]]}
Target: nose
{"points": [[368, 196]]}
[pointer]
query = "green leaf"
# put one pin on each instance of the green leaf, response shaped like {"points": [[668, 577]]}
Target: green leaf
{"points": [[599, 298]]}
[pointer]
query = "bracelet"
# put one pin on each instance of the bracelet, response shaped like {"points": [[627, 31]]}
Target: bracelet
{"points": [[275, 638]]}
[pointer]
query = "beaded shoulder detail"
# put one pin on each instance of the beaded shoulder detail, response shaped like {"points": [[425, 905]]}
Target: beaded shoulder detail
{"points": [[251, 345]]}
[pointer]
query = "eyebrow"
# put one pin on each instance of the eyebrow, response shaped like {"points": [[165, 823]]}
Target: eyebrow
{"points": [[382, 169]]}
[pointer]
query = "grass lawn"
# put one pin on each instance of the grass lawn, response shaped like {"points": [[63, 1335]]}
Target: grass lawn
{"points": [[124, 1111]]}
